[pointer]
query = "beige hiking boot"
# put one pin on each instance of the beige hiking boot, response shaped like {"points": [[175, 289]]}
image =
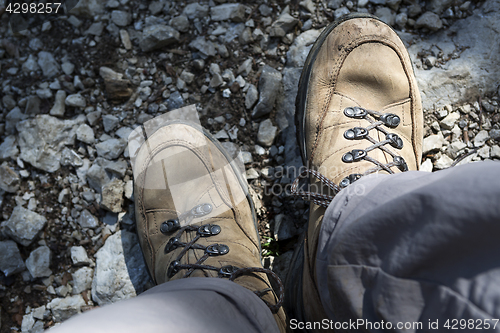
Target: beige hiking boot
{"points": [[358, 111], [194, 216]]}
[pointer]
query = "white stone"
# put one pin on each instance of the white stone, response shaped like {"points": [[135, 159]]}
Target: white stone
{"points": [[266, 133], [42, 139], [112, 280], [426, 166], [461, 78], [82, 280], [27, 323], [64, 308], [79, 256], [495, 151], [85, 133], [112, 196], [125, 38], [87, 220], [252, 174], [443, 162], [128, 189], [449, 121], [76, 100], [484, 152], [68, 68], [297, 54], [433, 142], [481, 138], [251, 97], [59, 105], [39, 312]]}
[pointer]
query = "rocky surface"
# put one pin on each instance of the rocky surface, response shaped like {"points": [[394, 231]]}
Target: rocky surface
{"points": [[72, 90]]}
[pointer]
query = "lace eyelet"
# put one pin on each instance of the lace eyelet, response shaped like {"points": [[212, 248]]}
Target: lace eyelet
{"points": [[354, 155], [217, 249], [227, 271], [395, 140], [400, 163], [349, 180], [169, 226], [355, 112], [356, 133], [201, 210], [207, 230], [172, 244], [173, 268], [390, 120]]}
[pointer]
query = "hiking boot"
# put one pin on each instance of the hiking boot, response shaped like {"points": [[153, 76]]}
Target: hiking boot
{"points": [[358, 112], [194, 215]]}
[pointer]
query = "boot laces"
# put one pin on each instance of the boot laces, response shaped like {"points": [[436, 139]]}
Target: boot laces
{"points": [[207, 230], [376, 120]]}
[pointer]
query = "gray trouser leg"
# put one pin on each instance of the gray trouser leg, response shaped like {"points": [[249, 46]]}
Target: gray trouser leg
{"points": [[414, 247], [186, 305]]}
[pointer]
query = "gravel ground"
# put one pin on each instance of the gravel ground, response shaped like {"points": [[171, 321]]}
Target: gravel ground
{"points": [[73, 89]]}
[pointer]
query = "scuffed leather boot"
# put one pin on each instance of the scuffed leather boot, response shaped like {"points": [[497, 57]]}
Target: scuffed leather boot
{"points": [[194, 216], [358, 111]]}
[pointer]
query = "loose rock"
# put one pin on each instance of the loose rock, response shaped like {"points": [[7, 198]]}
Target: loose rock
{"points": [[79, 256], [85, 133], [121, 18], [158, 36], [230, 11], [9, 180], [269, 86], [87, 220], [39, 261], [10, 258], [48, 64], [59, 106], [64, 308], [195, 10], [433, 142], [481, 138], [110, 122], [449, 121], [111, 148], [24, 225], [297, 54], [112, 280], [112, 196], [82, 280], [495, 134], [42, 139], [443, 162], [180, 23], [76, 100], [267, 133], [8, 148], [430, 21], [69, 157], [251, 97], [283, 25]]}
